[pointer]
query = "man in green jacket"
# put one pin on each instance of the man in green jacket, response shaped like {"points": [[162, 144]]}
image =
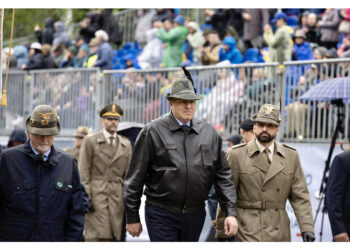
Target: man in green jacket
{"points": [[280, 45], [174, 40]]}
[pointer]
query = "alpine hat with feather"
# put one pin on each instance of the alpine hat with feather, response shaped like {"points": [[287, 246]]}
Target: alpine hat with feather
{"points": [[183, 88]]}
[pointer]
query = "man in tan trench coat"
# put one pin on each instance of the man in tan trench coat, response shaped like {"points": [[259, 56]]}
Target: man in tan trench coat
{"points": [[103, 161], [82, 131], [264, 181]]}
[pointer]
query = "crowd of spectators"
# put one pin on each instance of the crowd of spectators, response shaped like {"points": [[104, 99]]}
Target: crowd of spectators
{"points": [[164, 38]]}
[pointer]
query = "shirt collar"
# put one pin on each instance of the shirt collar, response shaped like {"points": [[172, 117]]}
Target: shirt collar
{"points": [[108, 135], [46, 154], [181, 123], [262, 148]]}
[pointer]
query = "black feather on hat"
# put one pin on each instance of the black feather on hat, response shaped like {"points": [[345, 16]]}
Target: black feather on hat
{"points": [[188, 75]]}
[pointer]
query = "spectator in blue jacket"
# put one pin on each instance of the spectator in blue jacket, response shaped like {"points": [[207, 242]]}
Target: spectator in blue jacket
{"points": [[104, 53], [229, 51], [301, 48]]}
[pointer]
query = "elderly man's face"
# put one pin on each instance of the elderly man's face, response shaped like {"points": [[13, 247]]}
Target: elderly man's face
{"points": [[183, 109], [41, 143]]}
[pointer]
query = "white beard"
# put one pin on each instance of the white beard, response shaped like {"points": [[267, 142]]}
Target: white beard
{"points": [[43, 148]]}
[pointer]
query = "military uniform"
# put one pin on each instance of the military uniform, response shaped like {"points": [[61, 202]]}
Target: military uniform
{"points": [[102, 169], [263, 189], [82, 131]]}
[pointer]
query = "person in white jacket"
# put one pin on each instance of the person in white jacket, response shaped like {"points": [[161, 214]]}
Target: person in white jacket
{"points": [[152, 54], [196, 40]]}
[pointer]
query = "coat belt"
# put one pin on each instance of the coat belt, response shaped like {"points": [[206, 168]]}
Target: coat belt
{"points": [[261, 205]]}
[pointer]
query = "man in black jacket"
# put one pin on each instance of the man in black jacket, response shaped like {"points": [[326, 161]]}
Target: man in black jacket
{"points": [[178, 159], [41, 196], [338, 198]]}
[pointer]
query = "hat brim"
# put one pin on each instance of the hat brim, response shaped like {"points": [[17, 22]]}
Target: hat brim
{"points": [[254, 118], [43, 131], [77, 135], [186, 96]]}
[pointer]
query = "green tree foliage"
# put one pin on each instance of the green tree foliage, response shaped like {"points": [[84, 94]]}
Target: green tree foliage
{"points": [[26, 19]]}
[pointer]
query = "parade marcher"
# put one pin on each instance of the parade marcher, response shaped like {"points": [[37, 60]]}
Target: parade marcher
{"points": [[246, 130], [337, 197], [82, 131], [103, 161], [178, 158], [266, 174], [41, 196]]}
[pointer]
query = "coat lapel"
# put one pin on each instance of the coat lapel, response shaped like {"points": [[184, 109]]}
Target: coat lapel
{"points": [[120, 148], [104, 146], [258, 161], [278, 162]]}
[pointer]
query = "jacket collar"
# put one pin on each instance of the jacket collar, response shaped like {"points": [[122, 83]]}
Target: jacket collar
{"points": [[174, 125], [253, 148], [51, 160]]}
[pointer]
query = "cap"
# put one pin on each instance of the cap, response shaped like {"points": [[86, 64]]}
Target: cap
{"points": [[82, 131], [43, 121], [182, 88], [247, 124], [35, 45], [235, 139], [268, 113], [179, 19], [300, 33], [111, 111], [278, 16]]}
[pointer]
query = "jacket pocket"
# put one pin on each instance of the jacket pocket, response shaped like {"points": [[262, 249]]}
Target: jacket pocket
{"points": [[206, 155]]}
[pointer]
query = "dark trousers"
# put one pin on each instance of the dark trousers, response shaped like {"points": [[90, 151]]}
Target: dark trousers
{"points": [[167, 226]]}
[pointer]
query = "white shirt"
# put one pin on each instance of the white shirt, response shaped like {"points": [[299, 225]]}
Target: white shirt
{"points": [[108, 135], [46, 154], [262, 148], [188, 124]]}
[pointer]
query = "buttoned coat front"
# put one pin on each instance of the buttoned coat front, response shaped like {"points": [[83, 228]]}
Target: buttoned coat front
{"points": [[102, 172], [262, 193]]}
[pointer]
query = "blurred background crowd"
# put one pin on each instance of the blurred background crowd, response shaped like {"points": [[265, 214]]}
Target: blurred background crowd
{"points": [[165, 38]]}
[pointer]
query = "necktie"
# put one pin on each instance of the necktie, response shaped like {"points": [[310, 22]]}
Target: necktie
{"points": [[111, 141], [267, 151], [41, 156], [185, 127]]}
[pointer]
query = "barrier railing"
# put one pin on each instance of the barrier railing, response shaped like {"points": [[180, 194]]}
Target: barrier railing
{"points": [[310, 120], [231, 94]]}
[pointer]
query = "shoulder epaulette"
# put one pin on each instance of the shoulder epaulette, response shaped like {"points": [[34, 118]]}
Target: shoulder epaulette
{"points": [[287, 146], [238, 145]]}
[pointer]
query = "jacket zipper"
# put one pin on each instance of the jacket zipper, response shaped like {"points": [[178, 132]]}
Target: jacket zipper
{"points": [[185, 199]]}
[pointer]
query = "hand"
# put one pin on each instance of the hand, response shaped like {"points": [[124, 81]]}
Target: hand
{"points": [[308, 236], [37, 28], [343, 237], [267, 28], [91, 208], [213, 223], [134, 229], [231, 226], [246, 17], [319, 24]]}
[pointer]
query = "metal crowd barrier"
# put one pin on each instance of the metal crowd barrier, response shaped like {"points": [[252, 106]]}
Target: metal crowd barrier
{"points": [[71, 92], [231, 93], [311, 121]]}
